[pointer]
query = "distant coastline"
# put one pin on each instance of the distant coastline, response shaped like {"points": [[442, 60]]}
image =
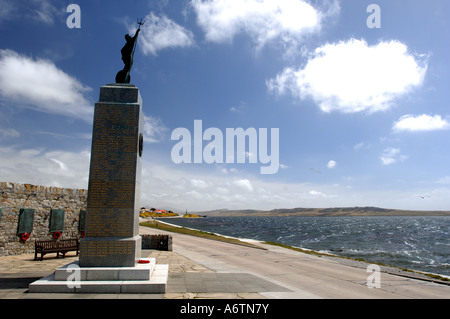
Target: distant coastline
{"points": [[311, 212]]}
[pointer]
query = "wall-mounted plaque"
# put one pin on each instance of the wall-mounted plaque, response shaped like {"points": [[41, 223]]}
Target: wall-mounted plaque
{"points": [[56, 220], [82, 224], [26, 218]]}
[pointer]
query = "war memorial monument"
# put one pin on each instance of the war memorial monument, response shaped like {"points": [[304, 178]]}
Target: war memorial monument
{"points": [[110, 253]]}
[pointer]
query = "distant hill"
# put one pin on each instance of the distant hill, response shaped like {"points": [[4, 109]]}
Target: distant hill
{"points": [[336, 211]]}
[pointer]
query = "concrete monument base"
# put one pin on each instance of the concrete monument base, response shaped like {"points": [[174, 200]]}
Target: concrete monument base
{"points": [[145, 278], [110, 251]]}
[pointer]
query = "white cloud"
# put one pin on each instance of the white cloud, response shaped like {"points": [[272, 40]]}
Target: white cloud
{"points": [[200, 183], [444, 180], [316, 193], [41, 11], [262, 20], [239, 108], [252, 157], [164, 186], [244, 184], [229, 170], [195, 195], [392, 155], [7, 10], [41, 167], [331, 164], [352, 76], [159, 33], [45, 12], [61, 164], [9, 133], [40, 85], [154, 129], [223, 190], [422, 122]]}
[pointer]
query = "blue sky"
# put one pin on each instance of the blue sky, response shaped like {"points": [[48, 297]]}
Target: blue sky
{"points": [[362, 113]]}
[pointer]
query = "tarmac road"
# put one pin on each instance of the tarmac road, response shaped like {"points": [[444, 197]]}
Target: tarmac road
{"points": [[284, 273]]}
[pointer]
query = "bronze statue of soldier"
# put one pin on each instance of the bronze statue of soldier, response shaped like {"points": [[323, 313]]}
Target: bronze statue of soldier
{"points": [[123, 76]]}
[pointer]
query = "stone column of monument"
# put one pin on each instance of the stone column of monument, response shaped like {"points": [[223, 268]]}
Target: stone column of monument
{"points": [[112, 221], [109, 254]]}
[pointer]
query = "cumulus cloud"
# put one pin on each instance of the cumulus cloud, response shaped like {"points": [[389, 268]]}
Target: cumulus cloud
{"points": [[180, 189], [331, 164], [422, 122], [262, 20], [353, 76], [44, 167], [244, 184], [315, 193], [392, 155], [40, 85], [160, 33], [199, 183], [154, 129]]}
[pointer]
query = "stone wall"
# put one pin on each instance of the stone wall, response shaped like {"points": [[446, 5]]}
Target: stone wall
{"points": [[42, 199]]}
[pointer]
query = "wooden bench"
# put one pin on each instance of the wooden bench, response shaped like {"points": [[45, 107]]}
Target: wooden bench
{"points": [[61, 246]]}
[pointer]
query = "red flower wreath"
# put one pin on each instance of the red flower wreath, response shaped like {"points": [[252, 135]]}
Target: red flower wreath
{"points": [[24, 236], [56, 234]]}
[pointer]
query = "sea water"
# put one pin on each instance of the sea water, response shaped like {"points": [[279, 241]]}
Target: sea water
{"points": [[418, 243]]}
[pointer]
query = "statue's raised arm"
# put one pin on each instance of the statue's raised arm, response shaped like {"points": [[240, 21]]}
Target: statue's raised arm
{"points": [[123, 76]]}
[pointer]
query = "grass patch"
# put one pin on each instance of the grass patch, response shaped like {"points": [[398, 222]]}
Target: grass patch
{"points": [[438, 277], [197, 233], [305, 251]]}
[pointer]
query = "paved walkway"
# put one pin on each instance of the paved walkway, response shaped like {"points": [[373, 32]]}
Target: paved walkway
{"points": [[187, 279], [200, 268], [298, 275]]}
